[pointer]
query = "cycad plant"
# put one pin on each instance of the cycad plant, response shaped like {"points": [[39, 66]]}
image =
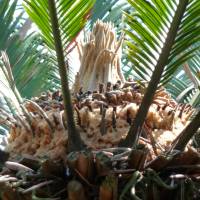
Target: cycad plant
{"points": [[135, 133]]}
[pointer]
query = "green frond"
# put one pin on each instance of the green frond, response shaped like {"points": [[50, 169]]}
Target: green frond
{"points": [[194, 65], [147, 31], [185, 85], [181, 88], [32, 65], [72, 16]]}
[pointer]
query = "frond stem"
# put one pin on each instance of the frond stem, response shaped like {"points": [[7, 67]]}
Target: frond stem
{"points": [[136, 127], [188, 133], [74, 141]]}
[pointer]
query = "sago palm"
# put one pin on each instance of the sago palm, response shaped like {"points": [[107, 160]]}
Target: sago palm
{"points": [[105, 108]]}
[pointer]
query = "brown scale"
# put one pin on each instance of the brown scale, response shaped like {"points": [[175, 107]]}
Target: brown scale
{"points": [[103, 126], [101, 88], [98, 96], [114, 120], [108, 87]]}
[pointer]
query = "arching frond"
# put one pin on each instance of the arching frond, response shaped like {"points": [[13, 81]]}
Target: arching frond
{"points": [[148, 29], [28, 57], [72, 16]]}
